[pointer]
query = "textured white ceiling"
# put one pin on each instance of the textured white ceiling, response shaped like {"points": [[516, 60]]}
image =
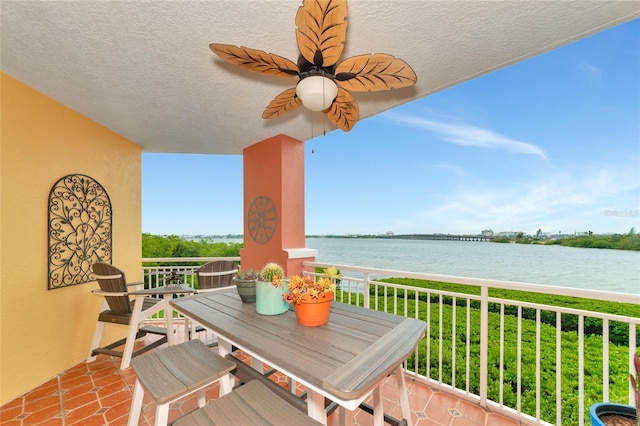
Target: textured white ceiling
{"points": [[144, 68]]}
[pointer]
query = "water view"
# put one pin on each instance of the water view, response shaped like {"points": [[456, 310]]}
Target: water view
{"points": [[595, 269], [585, 268]]}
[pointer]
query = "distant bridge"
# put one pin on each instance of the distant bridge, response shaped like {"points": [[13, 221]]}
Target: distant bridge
{"points": [[446, 237]]}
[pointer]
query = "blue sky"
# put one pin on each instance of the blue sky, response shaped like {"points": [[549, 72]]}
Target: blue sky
{"points": [[551, 143]]}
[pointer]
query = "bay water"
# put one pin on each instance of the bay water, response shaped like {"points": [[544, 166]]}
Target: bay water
{"points": [[594, 269], [573, 267]]}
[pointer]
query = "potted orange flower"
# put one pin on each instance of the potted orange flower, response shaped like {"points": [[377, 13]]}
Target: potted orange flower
{"points": [[312, 297]]}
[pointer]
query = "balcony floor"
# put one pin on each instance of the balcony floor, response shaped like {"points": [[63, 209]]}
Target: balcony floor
{"points": [[98, 393]]}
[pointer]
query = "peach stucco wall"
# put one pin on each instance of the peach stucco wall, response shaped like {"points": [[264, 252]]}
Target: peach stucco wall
{"points": [[43, 332], [274, 168]]}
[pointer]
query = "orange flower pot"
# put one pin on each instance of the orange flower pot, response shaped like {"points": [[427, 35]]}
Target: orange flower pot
{"points": [[312, 312]]}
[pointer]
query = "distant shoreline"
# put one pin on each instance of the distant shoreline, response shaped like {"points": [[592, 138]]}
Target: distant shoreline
{"points": [[629, 241]]}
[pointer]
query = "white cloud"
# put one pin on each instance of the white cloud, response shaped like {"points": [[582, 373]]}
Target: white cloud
{"points": [[591, 72], [451, 169], [563, 200], [467, 135]]}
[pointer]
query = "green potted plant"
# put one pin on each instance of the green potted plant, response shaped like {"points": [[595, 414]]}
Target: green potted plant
{"points": [[612, 414], [312, 297], [270, 286], [245, 281]]}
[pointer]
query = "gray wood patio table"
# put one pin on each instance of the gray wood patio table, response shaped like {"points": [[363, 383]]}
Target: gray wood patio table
{"points": [[344, 360]]}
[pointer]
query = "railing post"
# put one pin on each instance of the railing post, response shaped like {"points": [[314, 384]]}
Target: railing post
{"points": [[484, 343], [365, 290], [632, 351]]}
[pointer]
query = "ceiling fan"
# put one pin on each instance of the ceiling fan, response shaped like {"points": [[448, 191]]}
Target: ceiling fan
{"points": [[324, 84]]}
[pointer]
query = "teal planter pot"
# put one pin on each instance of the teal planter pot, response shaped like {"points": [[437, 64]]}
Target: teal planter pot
{"points": [[269, 298]]}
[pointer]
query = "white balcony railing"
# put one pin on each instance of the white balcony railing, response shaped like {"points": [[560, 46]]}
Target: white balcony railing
{"points": [[501, 353], [182, 268]]}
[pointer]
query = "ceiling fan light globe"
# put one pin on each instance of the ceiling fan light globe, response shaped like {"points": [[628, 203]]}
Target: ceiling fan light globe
{"points": [[316, 92]]}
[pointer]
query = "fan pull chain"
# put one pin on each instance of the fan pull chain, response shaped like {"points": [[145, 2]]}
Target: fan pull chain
{"points": [[311, 119], [324, 121]]}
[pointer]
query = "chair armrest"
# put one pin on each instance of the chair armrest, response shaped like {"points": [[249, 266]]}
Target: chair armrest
{"points": [[99, 292], [136, 285], [211, 290], [217, 274], [377, 362]]}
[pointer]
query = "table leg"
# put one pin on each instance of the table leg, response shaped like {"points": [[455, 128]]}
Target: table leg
{"points": [[315, 406], [168, 315], [346, 417], [227, 383], [224, 347], [189, 329], [378, 407], [404, 395], [257, 365]]}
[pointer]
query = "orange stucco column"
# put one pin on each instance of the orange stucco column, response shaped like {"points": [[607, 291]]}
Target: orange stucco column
{"points": [[274, 205]]}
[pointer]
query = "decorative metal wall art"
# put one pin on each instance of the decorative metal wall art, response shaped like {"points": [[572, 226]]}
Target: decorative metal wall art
{"points": [[261, 219], [80, 230]]}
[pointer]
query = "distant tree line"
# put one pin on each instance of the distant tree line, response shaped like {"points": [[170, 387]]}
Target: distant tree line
{"points": [[629, 241], [174, 246]]}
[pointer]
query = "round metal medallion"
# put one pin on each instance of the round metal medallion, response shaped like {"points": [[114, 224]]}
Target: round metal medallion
{"points": [[261, 219]]}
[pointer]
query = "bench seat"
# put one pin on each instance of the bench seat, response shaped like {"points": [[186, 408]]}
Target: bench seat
{"points": [[248, 405], [171, 373]]}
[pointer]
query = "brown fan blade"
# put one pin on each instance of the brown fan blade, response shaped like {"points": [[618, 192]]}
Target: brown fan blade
{"points": [[256, 60], [374, 72], [322, 30], [344, 111], [285, 102]]}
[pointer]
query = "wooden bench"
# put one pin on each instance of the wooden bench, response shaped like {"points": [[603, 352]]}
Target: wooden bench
{"points": [[250, 404], [169, 374], [245, 373]]}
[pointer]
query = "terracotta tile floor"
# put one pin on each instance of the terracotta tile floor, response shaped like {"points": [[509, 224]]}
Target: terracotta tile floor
{"points": [[98, 393]]}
